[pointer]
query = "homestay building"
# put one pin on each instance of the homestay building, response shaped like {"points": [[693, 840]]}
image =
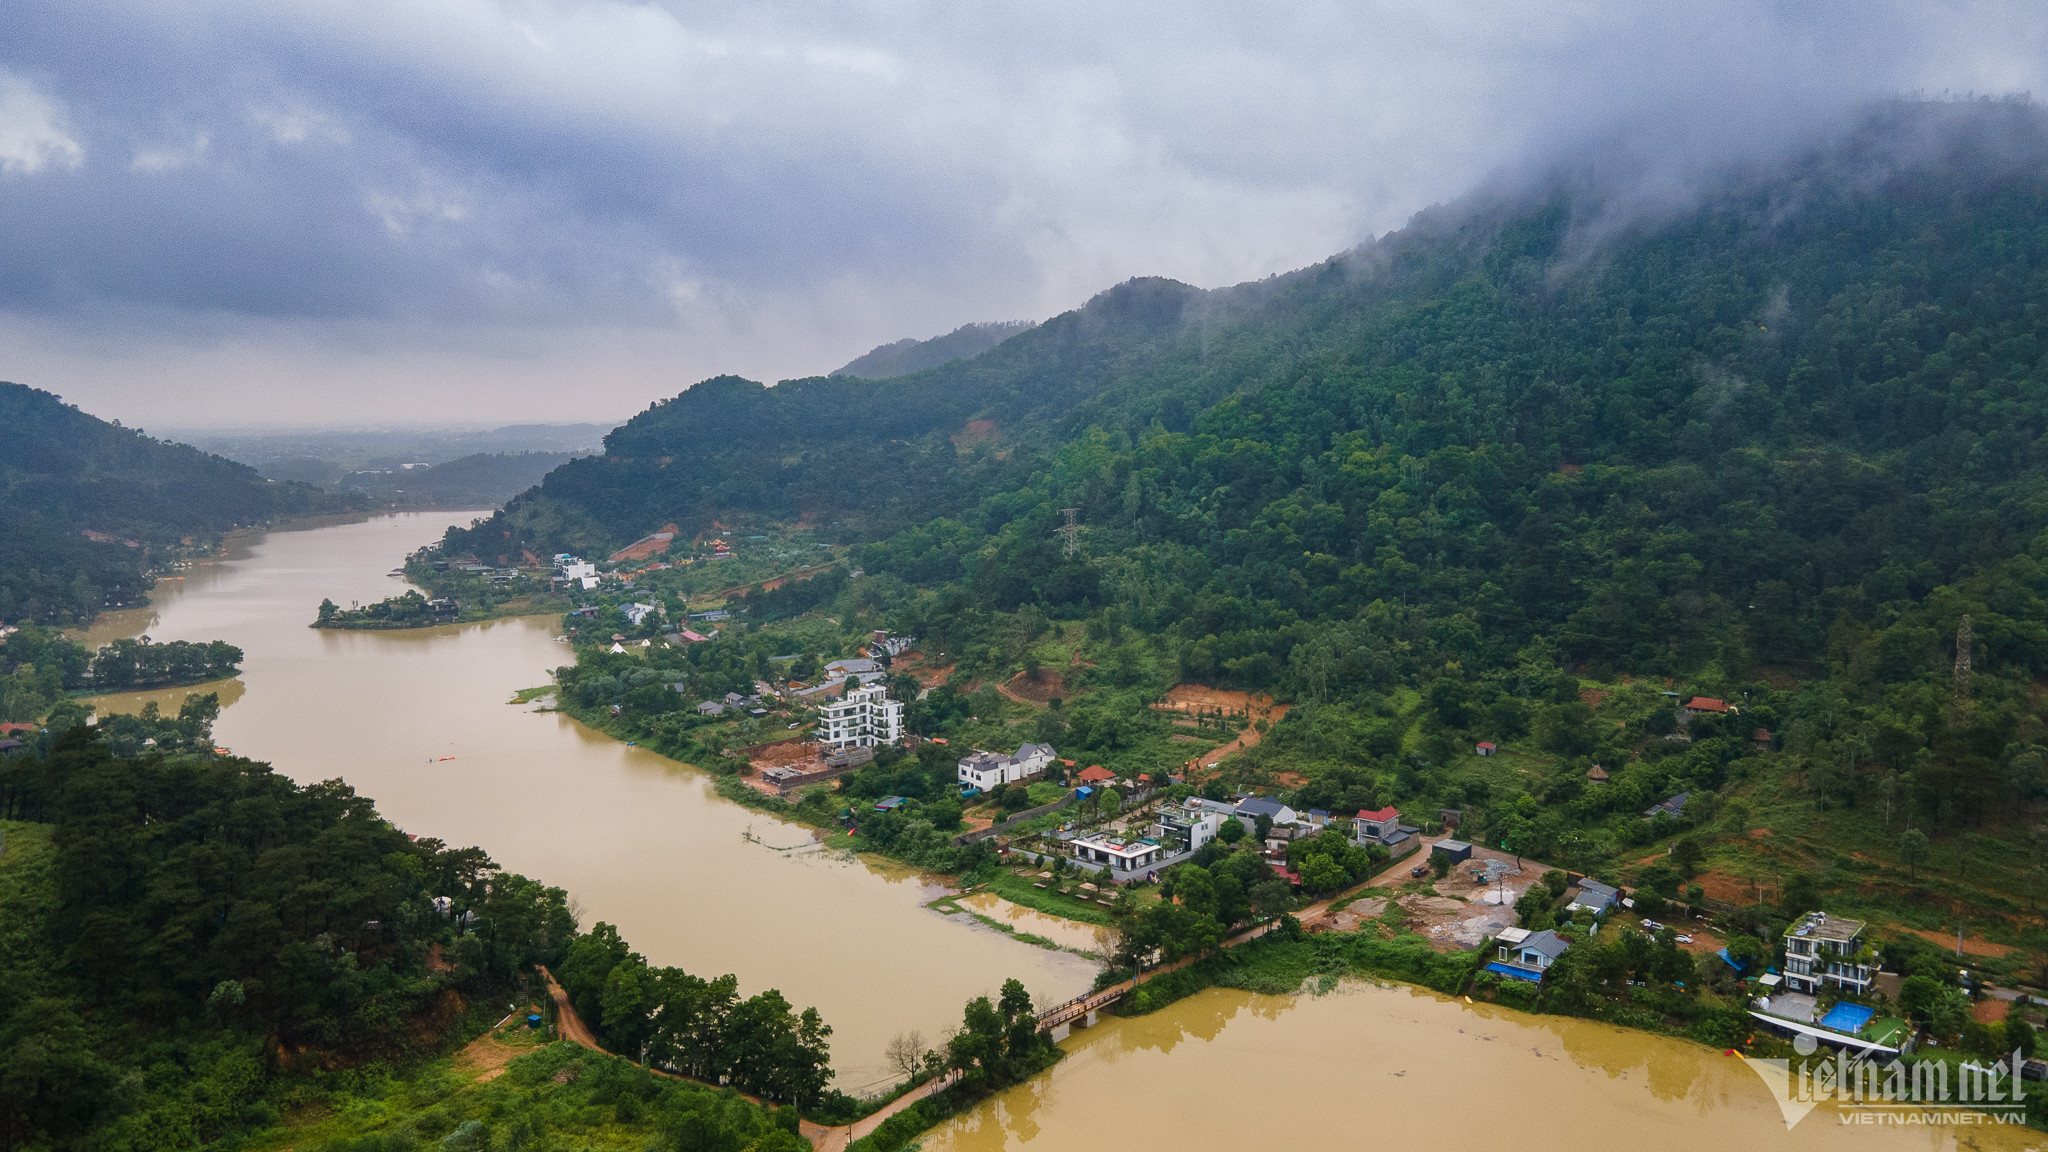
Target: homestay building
{"points": [[1526, 955], [575, 570], [982, 771], [1594, 897], [1250, 808], [1380, 826], [864, 717], [1821, 949], [858, 669], [1122, 857], [1186, 827]]}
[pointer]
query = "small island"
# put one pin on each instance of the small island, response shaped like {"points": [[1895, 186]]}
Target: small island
{"points": [[407, 610]]}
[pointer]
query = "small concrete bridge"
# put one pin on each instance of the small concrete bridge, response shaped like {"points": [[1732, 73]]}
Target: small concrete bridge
{"points": [[1080, 1012]]}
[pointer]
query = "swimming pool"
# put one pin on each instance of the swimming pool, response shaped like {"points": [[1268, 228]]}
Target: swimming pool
{"points": [[1849, 1018]]}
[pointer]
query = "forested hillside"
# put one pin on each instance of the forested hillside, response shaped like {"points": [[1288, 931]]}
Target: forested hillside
{"points": [[907, 356], [194, 949], [88, 508], [1504, 476], [1653, 446]]}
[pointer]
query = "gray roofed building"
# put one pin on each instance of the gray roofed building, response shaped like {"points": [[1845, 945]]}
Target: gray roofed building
{"points": [[1253, 807], [984, 770], [1595, 897], [1675, 806]]}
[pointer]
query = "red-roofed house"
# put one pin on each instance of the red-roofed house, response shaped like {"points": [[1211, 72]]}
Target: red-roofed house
{"points": [[1378, 827], [1096, 774], [1704, 704], [1762, 738], [1485, 749]]}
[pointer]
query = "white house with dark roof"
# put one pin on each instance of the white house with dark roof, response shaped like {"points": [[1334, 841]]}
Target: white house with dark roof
{"points": [[984, 770], [1529, 956]]}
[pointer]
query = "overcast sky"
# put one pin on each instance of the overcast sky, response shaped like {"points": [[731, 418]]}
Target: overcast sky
{"points": [[322, 214]]}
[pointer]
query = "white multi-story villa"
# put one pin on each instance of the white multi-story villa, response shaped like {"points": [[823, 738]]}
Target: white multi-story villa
{"points": [[1823, 949], [1186, 827], [573, 570], [863, 718]]}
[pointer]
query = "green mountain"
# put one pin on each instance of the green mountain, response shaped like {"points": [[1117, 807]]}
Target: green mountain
{"points": [[1518, 479], [1653, 442], [88, 508], [906, 356]]}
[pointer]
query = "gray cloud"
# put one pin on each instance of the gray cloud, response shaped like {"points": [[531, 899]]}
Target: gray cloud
{"points": [[291, 213]]}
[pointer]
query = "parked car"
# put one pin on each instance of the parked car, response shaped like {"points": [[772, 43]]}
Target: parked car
{"points": [[1682, 938], [1652, 926], [1419, 871]]}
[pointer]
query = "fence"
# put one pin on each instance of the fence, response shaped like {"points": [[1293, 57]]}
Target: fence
{"points": [[966, 838]]}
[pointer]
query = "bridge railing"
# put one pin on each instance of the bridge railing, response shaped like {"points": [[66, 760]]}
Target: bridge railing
{"points": [[1082, 1005]]}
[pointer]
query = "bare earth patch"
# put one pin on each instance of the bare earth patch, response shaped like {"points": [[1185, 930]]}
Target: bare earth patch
{"points": [[484, 1058], [1198, 697], [1729, 889], [1024, 690], [1972, 945]]}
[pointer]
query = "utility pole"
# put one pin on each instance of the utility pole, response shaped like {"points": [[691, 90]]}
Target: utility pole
{"points": [[1963, 658], [1070, 531]]}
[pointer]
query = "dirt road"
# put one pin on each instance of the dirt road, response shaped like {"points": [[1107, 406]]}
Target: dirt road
{"points": [[822, 1138], [572, 1026]]}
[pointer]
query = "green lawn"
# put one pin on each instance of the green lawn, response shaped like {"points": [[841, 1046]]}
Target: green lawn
{"points": [[1886, 1030], [1018, 890]]}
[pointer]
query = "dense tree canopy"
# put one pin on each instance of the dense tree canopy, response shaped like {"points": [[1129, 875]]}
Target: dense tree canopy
{"points": [[203, 918], [88, 508]]}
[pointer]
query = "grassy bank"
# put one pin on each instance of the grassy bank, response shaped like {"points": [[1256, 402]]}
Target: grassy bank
{"points": [[556, 1097], [1019, 890]]}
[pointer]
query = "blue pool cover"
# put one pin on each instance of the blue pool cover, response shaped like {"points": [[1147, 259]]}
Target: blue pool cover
{"points": [[1517, 973], [1848, 1018]]}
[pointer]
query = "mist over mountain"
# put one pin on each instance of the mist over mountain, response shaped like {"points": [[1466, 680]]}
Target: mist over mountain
{"points": [[1802, 374]]}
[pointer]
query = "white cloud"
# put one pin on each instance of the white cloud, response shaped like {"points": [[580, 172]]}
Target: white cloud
{"points": [[32, 134], [292, 123], [774, 187], [171, 157]]}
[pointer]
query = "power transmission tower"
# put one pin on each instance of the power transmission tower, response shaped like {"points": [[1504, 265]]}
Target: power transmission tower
{"points": [[1070, 531], [1963, 659]]}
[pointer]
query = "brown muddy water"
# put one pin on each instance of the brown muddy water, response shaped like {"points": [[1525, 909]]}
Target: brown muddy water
{"points": [[1071, 934], [418, 721], [1370, 1067], [646, 844]]}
